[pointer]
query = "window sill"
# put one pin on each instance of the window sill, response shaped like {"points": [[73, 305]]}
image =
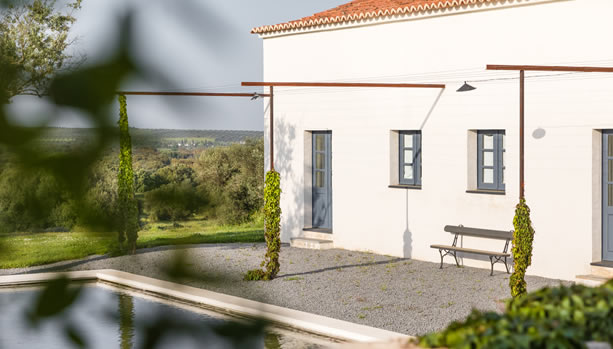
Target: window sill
{"points": [[486, 191], [405, 186], [318, 230]]}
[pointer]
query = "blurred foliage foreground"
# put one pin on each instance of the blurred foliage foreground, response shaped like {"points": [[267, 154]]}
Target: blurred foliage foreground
{"points": [[33, 40], [561, 317]]}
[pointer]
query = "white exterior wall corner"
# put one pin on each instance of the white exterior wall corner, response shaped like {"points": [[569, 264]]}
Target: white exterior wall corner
{"points": [[367, 214]]}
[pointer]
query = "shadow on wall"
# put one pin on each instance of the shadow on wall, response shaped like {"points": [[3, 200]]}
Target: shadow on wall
{"points": [[407, 236], [285, 144]]}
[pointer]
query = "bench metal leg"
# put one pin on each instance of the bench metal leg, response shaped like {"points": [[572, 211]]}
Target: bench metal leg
{"points": [[448, 252], [506, 265], [492, 262]]}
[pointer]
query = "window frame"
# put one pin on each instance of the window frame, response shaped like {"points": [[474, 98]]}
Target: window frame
{"points": [[416, 147], [498, 153]]}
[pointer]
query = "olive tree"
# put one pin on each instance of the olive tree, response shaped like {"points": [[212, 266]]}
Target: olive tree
{"points": [[34, 40]]}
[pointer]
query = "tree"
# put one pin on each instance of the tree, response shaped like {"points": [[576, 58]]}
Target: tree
{"points": [[34, 42]]}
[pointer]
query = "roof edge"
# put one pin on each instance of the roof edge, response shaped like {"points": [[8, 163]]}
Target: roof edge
{"points": [[382, 15]]}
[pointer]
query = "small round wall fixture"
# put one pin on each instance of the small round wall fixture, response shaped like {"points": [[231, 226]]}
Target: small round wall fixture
{"points": [[539, 133], [466, 87]]}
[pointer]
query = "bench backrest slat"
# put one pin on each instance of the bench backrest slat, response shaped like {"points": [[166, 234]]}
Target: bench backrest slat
{"points": [[483, 233]]}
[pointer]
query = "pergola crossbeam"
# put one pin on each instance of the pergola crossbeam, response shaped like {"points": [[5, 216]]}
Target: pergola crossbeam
{"points": [[551, 68], [341, 84], [194, 94]]}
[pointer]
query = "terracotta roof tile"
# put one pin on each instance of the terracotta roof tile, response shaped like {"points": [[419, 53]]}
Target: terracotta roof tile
{"points": [[367, 9]]}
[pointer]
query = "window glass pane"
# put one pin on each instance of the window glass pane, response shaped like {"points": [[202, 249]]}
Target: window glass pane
{"points": [[488, 175], [610, 195], [610, 141], [408, 172], [320, 142], [488, 141], [319, 179], [408, 156], [611, 170], [408, 141], [320, 161], [488, 158]]}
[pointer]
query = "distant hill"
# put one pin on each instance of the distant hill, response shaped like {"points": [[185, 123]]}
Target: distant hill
{"points": [[156, 138]]}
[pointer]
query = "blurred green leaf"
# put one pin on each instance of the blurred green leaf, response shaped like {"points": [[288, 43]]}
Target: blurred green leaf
{"points": [[54, 299], [75, 337]]}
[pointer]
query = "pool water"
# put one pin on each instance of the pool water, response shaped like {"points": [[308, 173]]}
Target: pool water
{"points": [[106, 317]]}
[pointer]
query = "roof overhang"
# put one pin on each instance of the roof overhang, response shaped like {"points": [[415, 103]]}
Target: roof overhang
{"points": [[454, 7]]}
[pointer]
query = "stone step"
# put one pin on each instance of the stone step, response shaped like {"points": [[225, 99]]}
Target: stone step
{"points": [[590, 280], [313, 244], [602, 271], [312, 234]]}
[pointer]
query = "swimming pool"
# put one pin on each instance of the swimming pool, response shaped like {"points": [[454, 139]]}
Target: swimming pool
{"points": [[110, 317]]}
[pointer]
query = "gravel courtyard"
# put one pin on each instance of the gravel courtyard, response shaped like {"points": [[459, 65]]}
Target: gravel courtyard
{"points": [[396, 294]]}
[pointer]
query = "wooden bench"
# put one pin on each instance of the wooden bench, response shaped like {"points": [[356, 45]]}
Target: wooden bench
{"points": [[460, 230]]}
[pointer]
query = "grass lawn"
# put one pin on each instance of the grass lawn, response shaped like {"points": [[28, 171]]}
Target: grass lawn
{"points": [[29, 249]]}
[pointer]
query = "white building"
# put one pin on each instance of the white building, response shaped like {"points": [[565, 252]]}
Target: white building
{"points": [[366, 207]]}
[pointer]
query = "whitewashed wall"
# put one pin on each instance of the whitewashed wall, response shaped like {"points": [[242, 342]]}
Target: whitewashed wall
{"points": [[562, 173]]}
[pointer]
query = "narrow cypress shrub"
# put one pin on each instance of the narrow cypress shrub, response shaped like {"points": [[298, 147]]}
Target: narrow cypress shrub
{"points": [[127, 204], [272, 221], [523, 236]]}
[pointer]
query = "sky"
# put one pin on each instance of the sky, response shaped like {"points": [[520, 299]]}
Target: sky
{"points": [[200, 45]]}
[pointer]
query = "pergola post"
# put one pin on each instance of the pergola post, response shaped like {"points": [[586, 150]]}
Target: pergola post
{"points": [[272, 128], [521, 134]]}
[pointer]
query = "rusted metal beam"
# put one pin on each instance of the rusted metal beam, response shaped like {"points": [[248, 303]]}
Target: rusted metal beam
{"points": [[550, 68], [341, 84], [195, 94], [521, 133], [272, 133]]}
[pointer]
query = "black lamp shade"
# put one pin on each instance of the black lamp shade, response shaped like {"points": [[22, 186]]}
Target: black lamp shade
{"points": [[466, 87]]}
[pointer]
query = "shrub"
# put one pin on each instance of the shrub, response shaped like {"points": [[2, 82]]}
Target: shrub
{"points": [[32, 200], [561, 317], [175, 201]]}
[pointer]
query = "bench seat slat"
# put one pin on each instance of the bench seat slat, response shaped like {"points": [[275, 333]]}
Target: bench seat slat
{"points": [[470, 250], [476, 232]]}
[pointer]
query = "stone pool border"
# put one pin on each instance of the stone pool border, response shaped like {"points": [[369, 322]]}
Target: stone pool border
{"points": [[317, 324]]}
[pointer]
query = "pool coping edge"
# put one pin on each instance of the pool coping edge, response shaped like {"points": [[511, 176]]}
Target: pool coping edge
{"points": [[318, 324]]}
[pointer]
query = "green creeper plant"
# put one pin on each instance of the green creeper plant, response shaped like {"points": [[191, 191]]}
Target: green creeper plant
{"points": [[272, 221], [127, 204], [523, 236]]}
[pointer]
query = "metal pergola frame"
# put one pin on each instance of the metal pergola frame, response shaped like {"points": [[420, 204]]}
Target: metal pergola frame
{"points": [[272, 85], [522, 69]]}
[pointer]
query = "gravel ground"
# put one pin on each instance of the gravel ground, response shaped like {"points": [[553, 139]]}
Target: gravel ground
{"points": [[396, 294]]}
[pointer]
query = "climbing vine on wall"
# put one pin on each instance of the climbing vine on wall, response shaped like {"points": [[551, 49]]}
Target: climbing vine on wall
{"points": [[272, 221], [523, 236], [127, 209]]}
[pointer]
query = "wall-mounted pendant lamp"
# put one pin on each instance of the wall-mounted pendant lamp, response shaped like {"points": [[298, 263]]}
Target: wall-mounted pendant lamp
{"points": [[466, 87]]}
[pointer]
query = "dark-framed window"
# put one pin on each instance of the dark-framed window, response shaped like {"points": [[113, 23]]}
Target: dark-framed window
{"points": [[410, 157], [490, 159]]}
